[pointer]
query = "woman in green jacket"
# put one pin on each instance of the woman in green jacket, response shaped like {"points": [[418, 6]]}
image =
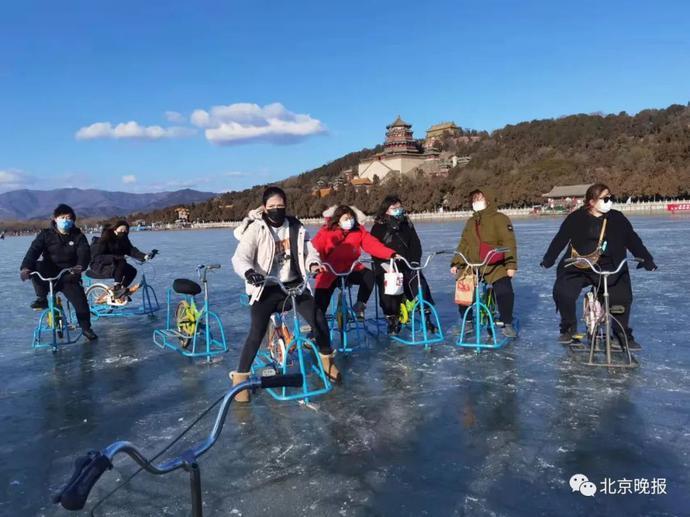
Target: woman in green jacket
{"points": [[494, 229]]}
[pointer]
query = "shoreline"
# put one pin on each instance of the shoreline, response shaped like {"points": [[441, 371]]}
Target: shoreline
{"points": [[652, 209]]}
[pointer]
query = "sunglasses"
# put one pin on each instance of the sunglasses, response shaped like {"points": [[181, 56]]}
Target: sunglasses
{"points": [[606, 199]]}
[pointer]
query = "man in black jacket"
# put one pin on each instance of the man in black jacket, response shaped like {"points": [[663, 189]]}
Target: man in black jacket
{"points": [[62, 246], [582, 231]]}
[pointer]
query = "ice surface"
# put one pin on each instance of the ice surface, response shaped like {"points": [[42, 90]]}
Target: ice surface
{"points": [[410, 432]]}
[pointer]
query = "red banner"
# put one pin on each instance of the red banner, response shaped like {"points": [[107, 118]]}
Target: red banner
{"points": [[678, 207]]}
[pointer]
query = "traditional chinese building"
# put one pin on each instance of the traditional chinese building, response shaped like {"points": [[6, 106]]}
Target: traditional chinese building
{"points": [[444, 128], [401, 154], [567, 197]]}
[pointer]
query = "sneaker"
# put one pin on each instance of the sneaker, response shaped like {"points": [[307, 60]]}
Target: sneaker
{"points": [[633, 345], [39, 304], [565, 337], [509, 331], [89, 334], [358, 309]]}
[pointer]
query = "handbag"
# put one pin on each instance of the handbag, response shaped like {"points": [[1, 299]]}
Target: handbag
{"points": [[464, 287], [592, 257], [393, 280], [485, 249]]}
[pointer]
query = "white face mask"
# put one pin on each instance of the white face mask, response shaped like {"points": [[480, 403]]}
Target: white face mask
{"points": [[604, 206], [478, 206], [347, 224]]}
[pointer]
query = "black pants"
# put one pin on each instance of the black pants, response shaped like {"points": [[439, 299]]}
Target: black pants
{"points": [[124, 273], [505, 299], [364, 278], [70, 285], [273, 300], [391, 304], [569, 284]]}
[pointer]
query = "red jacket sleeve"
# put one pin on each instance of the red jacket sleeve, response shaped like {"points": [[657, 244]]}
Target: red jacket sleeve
{"points": [[320, 240], [375, 247]]}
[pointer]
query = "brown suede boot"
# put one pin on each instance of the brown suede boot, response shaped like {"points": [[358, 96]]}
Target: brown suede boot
{"points": [[237, 378], [329, 367]]}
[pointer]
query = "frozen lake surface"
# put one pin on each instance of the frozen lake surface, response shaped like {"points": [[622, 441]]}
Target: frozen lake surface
{"points": [[409, 432]]}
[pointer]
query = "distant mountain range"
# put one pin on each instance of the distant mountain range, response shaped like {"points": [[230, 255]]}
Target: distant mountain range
{"points": [[34, 204]]}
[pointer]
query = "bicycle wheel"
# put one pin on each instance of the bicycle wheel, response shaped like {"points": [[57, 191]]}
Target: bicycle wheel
{"points": [[185, 322], [97, 296]]}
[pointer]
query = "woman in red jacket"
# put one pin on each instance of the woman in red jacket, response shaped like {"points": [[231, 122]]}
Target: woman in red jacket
{"points": [[340, 242]]}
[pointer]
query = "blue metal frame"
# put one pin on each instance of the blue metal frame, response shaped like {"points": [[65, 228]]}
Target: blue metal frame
{"points": [[66, 312], [379, 320], [478, 308], [425, 338], [203, 344], [295, 353], [149, 304], [349, 318]]}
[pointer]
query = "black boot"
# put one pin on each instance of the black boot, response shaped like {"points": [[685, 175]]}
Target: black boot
{"points": [[430, 324], [39, 304], [566, 336], [89, 334], [393, 325]]}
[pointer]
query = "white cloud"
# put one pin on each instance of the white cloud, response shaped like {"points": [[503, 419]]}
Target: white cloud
{"points": [[128, 179], [174, 116], [131, 130], [244, 123], [14, 179]]}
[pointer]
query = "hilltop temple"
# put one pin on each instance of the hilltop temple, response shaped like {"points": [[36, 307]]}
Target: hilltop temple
{"points": [[401, 154]]}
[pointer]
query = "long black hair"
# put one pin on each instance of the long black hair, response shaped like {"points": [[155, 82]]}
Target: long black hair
{"points": [[389, 200]]}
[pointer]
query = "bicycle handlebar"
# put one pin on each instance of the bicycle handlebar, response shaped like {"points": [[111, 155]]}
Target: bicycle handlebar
{"points": [[346, 273], [88, 469], [55, 278], [484, 262], [289, 291], [418, 267], [596, 268], [208, 267]]}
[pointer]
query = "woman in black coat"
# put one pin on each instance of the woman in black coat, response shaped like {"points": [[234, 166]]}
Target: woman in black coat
{"points": [[397, 232], [582, 231], [108, 257]]}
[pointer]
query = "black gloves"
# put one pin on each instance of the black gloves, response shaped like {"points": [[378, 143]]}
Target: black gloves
{"points": [[254, 278], [25, 274], [648, 264]]}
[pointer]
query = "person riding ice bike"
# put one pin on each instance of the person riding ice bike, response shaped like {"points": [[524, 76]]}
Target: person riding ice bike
{"points": [[108, 258], [62, 246], [340, 243], [487, 230], [272, 243], [397, 232]]}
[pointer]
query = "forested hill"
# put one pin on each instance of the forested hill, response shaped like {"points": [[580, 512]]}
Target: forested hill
{"points": [[637, 155]]}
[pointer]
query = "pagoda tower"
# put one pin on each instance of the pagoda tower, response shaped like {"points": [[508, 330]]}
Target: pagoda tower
{"points": [[399, 139]]}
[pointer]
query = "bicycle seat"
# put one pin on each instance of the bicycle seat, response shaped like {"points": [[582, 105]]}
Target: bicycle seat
{"points": [[186, 286]]}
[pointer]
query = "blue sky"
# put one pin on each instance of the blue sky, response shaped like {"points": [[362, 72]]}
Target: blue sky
{"points": [[85, 86]]}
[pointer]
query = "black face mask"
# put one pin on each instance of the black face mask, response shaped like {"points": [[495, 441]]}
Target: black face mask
{"points": [[275, 216]]}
